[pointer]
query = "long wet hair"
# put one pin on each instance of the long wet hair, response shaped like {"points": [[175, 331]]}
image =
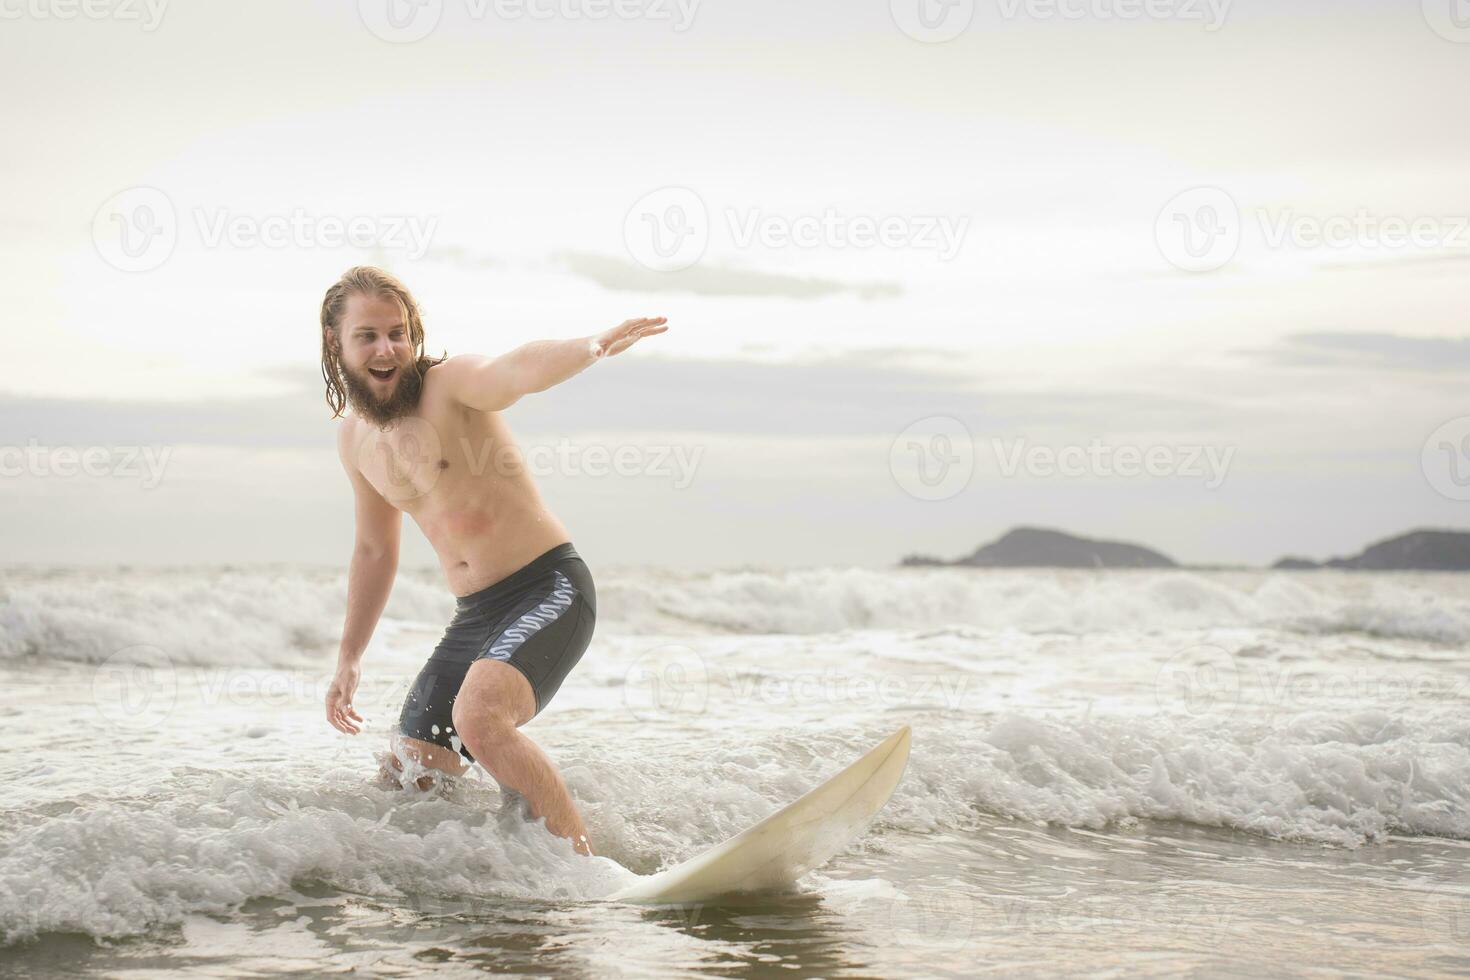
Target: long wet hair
{"points": [[369, 281]]}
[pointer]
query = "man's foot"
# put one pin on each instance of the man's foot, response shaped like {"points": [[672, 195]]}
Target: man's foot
{"points": [[514, 806]]}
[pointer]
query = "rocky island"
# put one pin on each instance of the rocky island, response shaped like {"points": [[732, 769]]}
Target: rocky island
{"points": [[1032, 547], [1417, 551]]}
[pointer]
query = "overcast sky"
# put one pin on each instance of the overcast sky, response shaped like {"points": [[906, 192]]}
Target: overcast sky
{"points": [[1197, 279]]}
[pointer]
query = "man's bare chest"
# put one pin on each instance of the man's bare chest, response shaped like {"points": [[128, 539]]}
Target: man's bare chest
{"points": [[421, 458]]}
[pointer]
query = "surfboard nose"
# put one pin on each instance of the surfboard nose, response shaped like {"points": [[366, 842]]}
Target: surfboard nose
{"points": [[772, 854], [899, 742], [896, 748]]}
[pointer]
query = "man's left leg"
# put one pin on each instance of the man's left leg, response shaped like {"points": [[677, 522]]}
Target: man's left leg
{"points": [[494, 701], [421, 755]]}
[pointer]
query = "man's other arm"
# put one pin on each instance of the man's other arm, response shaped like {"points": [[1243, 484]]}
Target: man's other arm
{"points": [[374, 556]]}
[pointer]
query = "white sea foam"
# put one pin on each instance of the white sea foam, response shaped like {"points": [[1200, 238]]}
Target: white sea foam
{"points": [[261, 617], [1330, 779], [121, 868], [205, 843], [824, 600], [1329, 709], [285, 616]]}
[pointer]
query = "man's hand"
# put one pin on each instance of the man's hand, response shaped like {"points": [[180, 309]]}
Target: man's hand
{"points": [[340, 712], [626, 334]]}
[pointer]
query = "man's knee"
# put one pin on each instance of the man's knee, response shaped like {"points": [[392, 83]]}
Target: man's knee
{"points": [[494, 700], [484, 729], [490, 719]]}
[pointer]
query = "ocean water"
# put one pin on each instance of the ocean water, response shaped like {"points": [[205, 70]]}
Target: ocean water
{"points": [[1141, 773]]}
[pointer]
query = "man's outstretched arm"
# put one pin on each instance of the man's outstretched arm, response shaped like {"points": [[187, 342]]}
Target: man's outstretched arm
{"points": [[490, 384]]}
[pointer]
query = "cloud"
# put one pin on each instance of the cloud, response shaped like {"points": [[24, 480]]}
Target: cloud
{"points": [[463, 257], [293, 420], [622, 275], [854, 393], [1375, 351], [1394, 260]]}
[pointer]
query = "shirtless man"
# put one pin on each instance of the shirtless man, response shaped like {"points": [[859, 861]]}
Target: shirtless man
{"points": [[427, 439]]}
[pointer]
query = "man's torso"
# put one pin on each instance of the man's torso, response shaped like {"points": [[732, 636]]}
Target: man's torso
{"points": [[459, 474]]}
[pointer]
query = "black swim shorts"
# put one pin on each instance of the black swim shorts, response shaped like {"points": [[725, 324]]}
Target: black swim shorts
{"points": [[538, 619]]}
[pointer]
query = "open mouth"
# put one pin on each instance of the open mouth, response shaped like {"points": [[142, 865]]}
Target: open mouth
{"points": [[383, 374]]}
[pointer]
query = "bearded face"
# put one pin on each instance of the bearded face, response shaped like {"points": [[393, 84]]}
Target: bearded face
{"points": [[379, 369], [382, 399]]}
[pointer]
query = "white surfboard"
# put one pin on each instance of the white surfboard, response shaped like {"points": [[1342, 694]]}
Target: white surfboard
{"points": [[786, 845]]}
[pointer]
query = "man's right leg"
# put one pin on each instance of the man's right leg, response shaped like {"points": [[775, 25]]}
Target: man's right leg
{"points": [[425, 736]]}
